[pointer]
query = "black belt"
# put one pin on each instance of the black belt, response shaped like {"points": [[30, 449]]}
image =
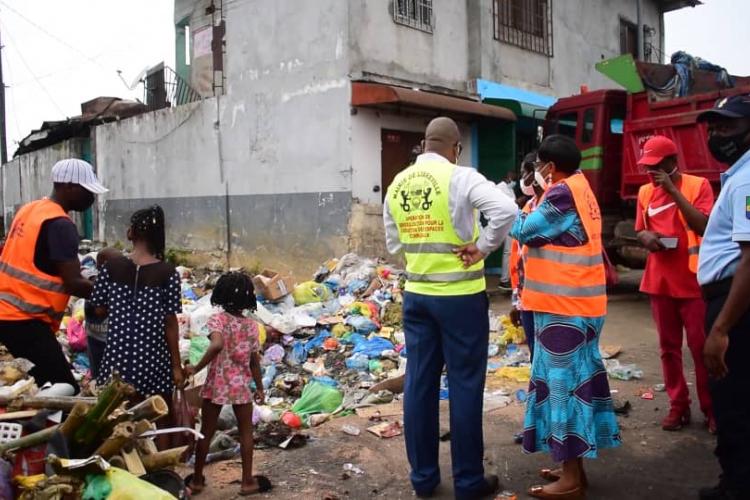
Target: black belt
{"points": [[717, 289]]}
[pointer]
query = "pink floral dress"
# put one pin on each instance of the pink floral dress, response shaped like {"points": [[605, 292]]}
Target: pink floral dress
{"points": [[229, 375]]}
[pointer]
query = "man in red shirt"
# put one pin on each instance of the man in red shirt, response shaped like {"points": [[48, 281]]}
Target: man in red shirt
{"points": [[671, 216]]}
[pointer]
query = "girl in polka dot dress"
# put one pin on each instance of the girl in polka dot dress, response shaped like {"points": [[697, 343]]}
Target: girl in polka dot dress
{"points": [[141, 294], [233, 362]]}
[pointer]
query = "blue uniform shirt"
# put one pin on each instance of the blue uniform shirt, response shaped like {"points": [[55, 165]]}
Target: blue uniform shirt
{"points": [[728, 225]]}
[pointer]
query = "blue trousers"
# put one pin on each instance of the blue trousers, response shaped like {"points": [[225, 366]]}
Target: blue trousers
{"points": [[451, 331], [527, 321]]}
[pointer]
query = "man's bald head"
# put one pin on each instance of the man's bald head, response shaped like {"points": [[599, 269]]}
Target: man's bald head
{"points": [[442, 137]]}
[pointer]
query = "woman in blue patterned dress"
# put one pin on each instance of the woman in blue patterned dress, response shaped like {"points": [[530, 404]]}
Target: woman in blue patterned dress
{"points": [[569, 410]]}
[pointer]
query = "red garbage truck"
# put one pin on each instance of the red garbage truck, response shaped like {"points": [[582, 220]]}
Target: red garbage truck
{"points": [[610, 127]]}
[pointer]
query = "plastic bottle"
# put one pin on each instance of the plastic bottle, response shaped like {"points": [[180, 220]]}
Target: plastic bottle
{"points": [[268, 375], [444, 387]]}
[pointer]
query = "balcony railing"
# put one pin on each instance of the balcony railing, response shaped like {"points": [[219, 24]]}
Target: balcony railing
{"points": [[164, 88]]}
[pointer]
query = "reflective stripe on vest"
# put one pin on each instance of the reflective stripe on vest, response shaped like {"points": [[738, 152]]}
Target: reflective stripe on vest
{"points": [[564, 258], [429, 247], [26, 292], [417, 200], [569, 281], [690, 187], [31, 308], [445, 277], [31, 279]]}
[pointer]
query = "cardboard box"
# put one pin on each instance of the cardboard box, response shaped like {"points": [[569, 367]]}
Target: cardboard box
{"points": [[272, 285]]}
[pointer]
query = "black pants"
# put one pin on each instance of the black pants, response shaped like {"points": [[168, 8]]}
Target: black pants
{"points": [[731, 401], [35, 341]]}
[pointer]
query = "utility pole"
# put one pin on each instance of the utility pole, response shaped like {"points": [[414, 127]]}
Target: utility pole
{"points": [[3, 134]]}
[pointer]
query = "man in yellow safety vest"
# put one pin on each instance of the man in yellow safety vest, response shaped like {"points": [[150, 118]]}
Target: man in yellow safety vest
{"points": [[430, 214]]}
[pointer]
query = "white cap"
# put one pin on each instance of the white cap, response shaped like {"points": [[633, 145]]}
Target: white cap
{"points": [[75, 171]]}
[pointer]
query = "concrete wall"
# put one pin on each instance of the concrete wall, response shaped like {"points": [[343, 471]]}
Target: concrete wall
{"points": [[380, 46], [584, 32], [462, 46], [28, 177], [263, 169]]}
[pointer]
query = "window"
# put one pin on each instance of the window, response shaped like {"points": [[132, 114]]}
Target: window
{"points": [[567, 124], [524, 23], [628, 38], [414, 13], [587, 134]]}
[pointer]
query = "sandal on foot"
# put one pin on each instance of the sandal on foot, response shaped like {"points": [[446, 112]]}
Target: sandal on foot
{"points": [[576, 493], [195, 489], [553, 475], [264, 485]]}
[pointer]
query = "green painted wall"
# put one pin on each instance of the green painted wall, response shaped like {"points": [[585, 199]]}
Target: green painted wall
{"points": [[497, 156]]}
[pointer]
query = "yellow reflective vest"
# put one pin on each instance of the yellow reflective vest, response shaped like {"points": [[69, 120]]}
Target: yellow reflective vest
{"points": [[418, 203]]}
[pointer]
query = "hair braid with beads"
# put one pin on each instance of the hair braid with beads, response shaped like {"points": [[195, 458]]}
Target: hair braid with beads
{"points": [[234, 292], [148, 225]]}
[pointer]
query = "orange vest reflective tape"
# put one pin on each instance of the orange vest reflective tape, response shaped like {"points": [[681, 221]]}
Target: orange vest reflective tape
{"points": [[570, 281], [690, 187], [25, 291]]}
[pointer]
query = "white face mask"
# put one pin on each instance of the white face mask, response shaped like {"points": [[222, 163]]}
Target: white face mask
{"points": [[527, 190], [540, 180]]}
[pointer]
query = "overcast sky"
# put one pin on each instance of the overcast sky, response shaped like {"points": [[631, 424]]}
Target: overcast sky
{"points": [[59, 53]]}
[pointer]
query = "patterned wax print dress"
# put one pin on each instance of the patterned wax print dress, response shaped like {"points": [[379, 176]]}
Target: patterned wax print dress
{"points": [[569, 409]]}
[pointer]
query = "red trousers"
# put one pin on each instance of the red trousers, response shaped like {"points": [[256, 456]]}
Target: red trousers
{"points": [[671, 317]]}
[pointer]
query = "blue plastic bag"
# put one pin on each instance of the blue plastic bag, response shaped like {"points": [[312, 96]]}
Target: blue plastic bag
{"points": [[358, 362], [373, 347], [317, 340], [298, 354], [362, 324]]}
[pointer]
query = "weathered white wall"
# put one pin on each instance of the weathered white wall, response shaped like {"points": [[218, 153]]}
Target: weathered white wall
{"points": [[366, 141], [29, 177], [584, 33], [380, 46]]}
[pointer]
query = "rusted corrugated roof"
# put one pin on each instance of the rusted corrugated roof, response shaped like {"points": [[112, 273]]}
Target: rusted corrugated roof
{"points": [[382, 95], [93, 112]]}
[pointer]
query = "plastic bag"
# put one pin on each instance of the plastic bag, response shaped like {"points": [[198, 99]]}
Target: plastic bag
{"points": [[317, 398], [274, 354], [199, 319], [309, 291], [119, 484], [362, 324], [373, 347], [298, 355], [198, 347], [183, 417], [76, 335]]}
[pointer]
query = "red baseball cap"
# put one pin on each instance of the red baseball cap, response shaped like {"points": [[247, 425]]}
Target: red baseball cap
{"points": [[656, 149]]}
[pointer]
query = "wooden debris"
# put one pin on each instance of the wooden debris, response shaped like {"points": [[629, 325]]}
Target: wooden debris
{"points": [[133, 462], [18, 415], [122, 434], [30, 440], [75, 419], [162, 459], [96, 419], [64, 403]]}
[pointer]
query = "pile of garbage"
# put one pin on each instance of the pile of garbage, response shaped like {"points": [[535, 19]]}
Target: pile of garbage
{"points": [[103, 448]]}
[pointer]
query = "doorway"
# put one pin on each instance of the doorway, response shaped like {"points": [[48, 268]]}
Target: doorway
{"points": [[399, 150]]}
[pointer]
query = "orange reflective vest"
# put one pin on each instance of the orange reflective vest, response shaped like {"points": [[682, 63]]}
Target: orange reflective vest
{"points": [[690, 186], [25, 291], [516, 251], [570, 281]]}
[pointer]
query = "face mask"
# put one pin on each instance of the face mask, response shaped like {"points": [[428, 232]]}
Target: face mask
{"points": [[527, 190], [540, 181], [727, 149], [651, 175]]}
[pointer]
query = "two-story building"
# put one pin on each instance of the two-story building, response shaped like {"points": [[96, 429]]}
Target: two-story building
{"points": [[309, 109]]}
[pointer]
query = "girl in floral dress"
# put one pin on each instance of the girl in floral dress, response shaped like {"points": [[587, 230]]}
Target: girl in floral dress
{"points": [[233, 363]]}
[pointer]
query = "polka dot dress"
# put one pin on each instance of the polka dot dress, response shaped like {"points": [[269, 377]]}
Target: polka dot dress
{"points": [[138, 300]]}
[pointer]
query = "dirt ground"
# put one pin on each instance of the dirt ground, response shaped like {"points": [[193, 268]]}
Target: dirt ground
{"points": [[651, 464]]}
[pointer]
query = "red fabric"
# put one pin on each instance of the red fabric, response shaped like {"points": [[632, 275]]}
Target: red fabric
{"points": [[667, 272], [671, 316]]}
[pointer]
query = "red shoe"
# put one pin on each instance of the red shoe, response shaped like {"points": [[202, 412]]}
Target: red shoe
{"points": [[711, 424], [676, 419]]}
